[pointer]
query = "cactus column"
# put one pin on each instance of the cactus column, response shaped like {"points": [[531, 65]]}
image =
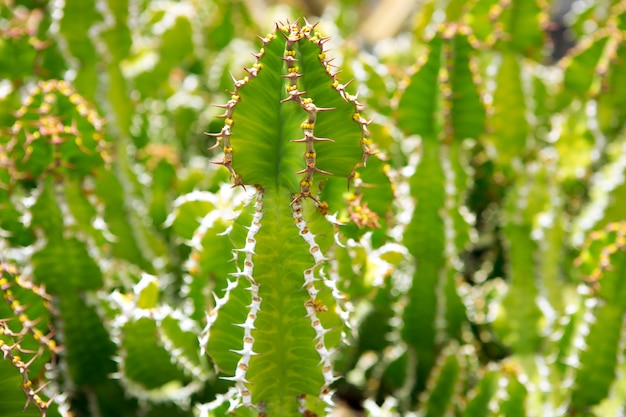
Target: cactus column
{"points": [[289, 128]]}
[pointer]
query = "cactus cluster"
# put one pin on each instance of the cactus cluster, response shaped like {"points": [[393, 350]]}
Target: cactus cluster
{"points": [[459, 251]]}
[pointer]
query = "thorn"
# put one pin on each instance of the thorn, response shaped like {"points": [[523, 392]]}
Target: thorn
{"points": [[44, 385], [289, 59], [301, 195], [238, 181], [321, 171], [312, 27], [316, 139], [217, 145], [252, 71], [314, 169], [293, 95], [325, 108], [265, 41], [285, 35], [291, 75], [244, 250], [235, 379], [323, 40]]}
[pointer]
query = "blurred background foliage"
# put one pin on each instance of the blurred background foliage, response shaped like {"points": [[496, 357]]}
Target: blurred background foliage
{"points": [[494, 286]]}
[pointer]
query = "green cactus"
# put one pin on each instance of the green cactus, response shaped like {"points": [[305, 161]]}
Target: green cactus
{"points": [[472, 267], [601, 263], [443, 85], [26, 339], [290, 129]]}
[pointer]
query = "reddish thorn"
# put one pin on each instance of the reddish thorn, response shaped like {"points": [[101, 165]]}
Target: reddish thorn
{"points": [[316, 139], [321, 171], [314, 169], [33, 359], [291, 75], [293, 95]]}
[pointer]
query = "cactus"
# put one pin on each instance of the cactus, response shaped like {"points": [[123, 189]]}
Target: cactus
{"points": [[471, 267], [437, 233], [27, 339], [289, 128]]}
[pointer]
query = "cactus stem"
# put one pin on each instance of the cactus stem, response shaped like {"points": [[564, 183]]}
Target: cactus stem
{"points": [[307, 105], [313, 305], [254, 307]]}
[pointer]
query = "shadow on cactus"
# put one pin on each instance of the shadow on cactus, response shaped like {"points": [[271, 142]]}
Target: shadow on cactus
{"points": [[291, 131]]}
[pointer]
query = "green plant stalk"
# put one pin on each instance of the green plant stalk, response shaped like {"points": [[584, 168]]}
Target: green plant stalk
{"points": [[441, 104], [26, 340], [602, 262], [285, 308]]}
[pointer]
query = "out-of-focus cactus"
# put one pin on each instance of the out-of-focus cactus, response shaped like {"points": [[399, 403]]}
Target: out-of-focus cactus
{"points": [[26, 340], [441, 105]]}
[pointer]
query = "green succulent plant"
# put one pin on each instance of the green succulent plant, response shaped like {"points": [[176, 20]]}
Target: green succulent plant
{"points": [[458, 251]]}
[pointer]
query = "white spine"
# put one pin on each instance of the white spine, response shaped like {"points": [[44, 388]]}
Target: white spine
{"points": [[313, 306], [248, 340]]}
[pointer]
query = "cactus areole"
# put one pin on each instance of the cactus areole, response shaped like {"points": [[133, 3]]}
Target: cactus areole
{"points": [[289, 127]]}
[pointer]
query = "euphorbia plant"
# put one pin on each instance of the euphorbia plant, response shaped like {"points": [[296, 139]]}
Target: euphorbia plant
{"points": [[291, 130]]}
